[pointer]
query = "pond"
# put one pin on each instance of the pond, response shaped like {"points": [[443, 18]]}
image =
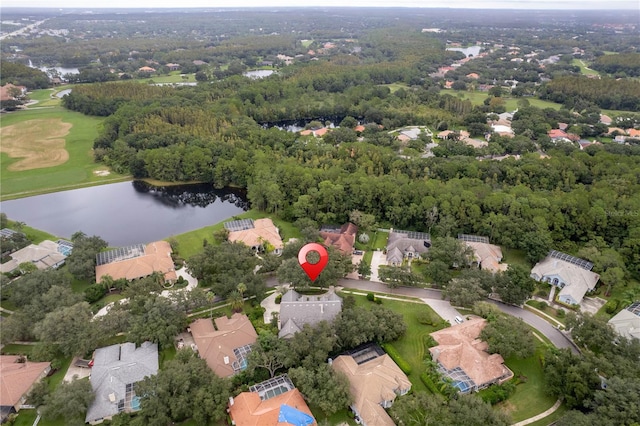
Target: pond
{"points": [[468, 51], [128, 212]]}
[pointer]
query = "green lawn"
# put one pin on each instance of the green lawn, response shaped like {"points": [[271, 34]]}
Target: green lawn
{"points": [[550, 419], [46, 97], [516, 257], [340, 417], [14, 349], [173, 77], [34, 235], [190, 243], [77, 171], [378, 241], [583, 67], [530, 398], [410, 346], [395, 86], [477, 98]]}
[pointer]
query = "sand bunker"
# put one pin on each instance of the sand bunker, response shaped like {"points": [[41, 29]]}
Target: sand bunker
{"points": [[40, 143]]}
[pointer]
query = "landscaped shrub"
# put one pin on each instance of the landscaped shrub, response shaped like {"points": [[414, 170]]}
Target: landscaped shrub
{"points": [[94, 293], [561, 313], [371, 297], [498, 393], [611, 306], [429, 383], [397, 358], [542, 305], [429, 342], [427, 318], [378, 300], [278, 299]]}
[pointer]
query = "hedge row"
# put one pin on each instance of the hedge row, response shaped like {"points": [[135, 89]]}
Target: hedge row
{"points": [[429, 383], [393, 353]]}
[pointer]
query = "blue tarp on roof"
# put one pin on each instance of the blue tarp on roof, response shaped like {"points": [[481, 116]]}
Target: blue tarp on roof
{"points": [[295, 417]]}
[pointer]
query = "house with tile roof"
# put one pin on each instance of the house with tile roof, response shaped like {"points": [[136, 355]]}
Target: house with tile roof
{"points": [[296, 310], [486, 256], [18, 375], [139, 263], [115, 371], [12, 92], [255, 234], [342, 238], [374, 383], [627, 322], [267, 405], [558, 135], [571, 275], [146, 69], [45, 255], [633, 133], [406, 245], [463, 357], [226, 346]]}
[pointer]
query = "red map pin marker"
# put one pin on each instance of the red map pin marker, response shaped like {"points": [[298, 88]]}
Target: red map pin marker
{"points": [[313, 269]]}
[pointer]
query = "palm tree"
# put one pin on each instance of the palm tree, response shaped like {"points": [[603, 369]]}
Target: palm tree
{"points": [[242, 287], [235, 300]]}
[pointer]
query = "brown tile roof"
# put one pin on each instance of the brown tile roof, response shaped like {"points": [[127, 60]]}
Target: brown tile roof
{"points": [[634, 133], [249, 410], [344, 240], [359, 128], [371, 383], [488, 256], [146, 69], [5, 91], [263, 230], [557, 133], [156, 258], [17, 378], [460, 346], [216, 346]]}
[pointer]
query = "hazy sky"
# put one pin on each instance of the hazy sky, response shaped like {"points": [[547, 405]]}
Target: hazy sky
{"points": [[484, 4]]}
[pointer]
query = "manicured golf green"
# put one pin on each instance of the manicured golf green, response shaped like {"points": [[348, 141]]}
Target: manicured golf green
{"points": [[76, 171]]}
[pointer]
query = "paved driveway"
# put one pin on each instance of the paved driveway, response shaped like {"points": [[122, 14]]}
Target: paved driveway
{"points": [[379, 258], [444, 309]]}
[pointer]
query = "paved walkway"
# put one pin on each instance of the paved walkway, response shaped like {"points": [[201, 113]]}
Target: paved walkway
{"points": [[270, 306], [540, 416]]}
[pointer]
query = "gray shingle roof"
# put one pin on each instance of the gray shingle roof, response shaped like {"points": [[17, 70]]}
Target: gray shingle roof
{"points": [[302, 309], [115, 367]]}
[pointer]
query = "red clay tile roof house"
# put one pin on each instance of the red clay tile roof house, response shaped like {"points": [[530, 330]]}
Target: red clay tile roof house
{"points": [[374, 385], [255, 234], [265, 406], [342, 238], [487, 256], [136, 262], [462, 357], [17, 377], [225, 348]]}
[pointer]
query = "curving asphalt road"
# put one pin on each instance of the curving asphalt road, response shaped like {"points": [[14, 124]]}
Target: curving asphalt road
{"points": [[558, 338]]}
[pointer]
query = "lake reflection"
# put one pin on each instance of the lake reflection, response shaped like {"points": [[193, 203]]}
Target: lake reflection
{"points": [[128, 212]]}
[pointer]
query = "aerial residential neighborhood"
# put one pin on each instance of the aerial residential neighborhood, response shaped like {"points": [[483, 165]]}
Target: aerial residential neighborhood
{"points": [[268, 215]]}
